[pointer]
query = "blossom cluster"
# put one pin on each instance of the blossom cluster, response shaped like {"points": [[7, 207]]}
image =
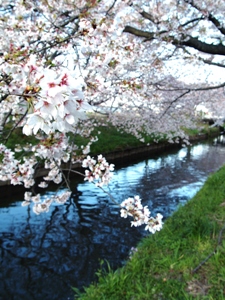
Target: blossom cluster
{"points": [[100, 171], [141, 215], [39, 205], [15, 171], [52, 151], [58, 102]]}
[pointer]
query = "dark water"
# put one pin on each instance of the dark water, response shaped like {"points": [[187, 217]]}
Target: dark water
{"points": [[43, 256]]}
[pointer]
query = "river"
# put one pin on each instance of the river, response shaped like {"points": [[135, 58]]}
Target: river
{"points": [[43, 256]]}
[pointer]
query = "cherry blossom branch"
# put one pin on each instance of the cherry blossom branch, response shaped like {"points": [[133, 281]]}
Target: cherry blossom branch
{"points": [[15, 125], [173, 101], [191, 89]]}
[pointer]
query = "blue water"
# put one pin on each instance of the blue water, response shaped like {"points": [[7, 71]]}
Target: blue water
{"points": [[43, 256]]}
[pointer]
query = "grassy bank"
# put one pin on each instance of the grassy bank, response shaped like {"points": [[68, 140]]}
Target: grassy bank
{"points": [[167, 265], [109, 138]]}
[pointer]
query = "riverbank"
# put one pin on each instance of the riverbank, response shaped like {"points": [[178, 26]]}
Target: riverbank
{"points": [[127, 148], [185, 260], [130, 153], [119, 147]]}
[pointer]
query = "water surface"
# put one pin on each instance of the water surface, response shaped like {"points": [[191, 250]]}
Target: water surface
{"points": [[43, 256]]}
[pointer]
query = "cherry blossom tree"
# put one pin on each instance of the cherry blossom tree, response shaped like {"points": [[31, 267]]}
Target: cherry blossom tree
{"points": [[60, 60], [192, 33]]}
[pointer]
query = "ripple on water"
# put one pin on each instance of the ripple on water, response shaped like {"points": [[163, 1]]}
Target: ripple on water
{"points": [[43, 256]]}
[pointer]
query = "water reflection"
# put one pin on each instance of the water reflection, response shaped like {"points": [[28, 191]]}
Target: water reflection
{"points": [[43, 256]]}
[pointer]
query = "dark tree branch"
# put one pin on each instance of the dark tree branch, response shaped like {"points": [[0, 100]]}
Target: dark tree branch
{"points": [[175, 100], [209, 88], [149, 17], [216, 23], [209, 62], [192, 21], [140, 33], [189, 89], [15, 125], [189, 41], [111, 7], [207, 15], [195, 43], [68, 21], [185, 40]]}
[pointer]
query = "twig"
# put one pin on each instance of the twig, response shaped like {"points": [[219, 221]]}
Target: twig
{"points": [[15, 126], [110, 196], [211, 254]]}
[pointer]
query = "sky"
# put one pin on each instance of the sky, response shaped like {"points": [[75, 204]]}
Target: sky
{"points": [[196, 74]]}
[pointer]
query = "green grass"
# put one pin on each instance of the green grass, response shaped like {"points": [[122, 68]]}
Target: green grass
{"points": [[206, 129], [162, 268], [17, 137], [109, 139]]}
